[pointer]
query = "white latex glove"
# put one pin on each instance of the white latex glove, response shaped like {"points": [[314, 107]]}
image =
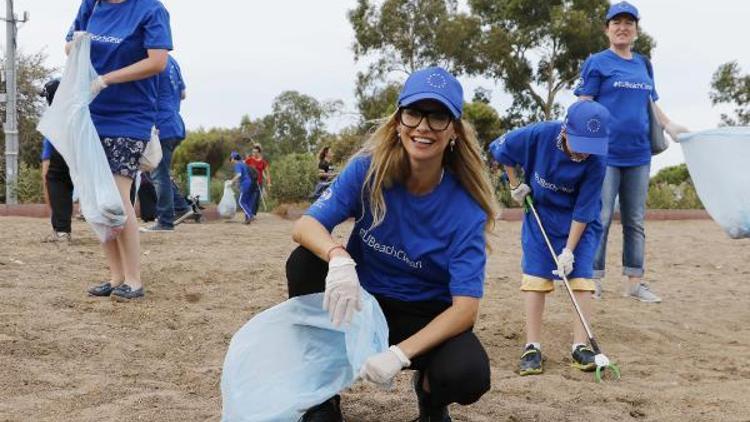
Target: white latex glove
{"points": [[564, 263], [97, 85], [674, 130], [381, 368], [520, 192], [342, 297]]}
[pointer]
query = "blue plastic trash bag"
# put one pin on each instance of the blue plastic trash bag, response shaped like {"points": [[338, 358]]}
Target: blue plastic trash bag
{"points": [[290, 358], [718, 163], [68, 126]]}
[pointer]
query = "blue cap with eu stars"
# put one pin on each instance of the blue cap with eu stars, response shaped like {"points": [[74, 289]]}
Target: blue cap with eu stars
{"points": [[433, 83], [587, 128], [623, 7]]}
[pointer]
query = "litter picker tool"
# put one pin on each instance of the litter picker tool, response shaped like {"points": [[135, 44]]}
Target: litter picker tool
{"points": [[602, 362]]}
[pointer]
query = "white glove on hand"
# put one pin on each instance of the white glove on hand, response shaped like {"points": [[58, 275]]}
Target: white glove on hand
{"points": [[674, 130], [342, 297], [520, 192], [564, 263], [381, 368], [97, 85]]}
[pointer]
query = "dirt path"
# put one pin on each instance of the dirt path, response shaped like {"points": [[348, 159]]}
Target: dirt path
{"points": [[67, 357]]}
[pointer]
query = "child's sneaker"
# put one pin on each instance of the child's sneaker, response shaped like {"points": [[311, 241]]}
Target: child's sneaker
{"points": [[583, 358], [643, 293], [531, 361]]}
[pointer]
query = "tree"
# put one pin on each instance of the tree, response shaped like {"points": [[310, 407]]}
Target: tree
{"points": [[728, 86], [374, 101], [485, 120], [536, 48], [32, 75], [297, 122], [407, 35]]}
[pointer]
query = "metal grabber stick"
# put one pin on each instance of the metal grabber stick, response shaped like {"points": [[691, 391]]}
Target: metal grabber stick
{"points": [[602, 362]]}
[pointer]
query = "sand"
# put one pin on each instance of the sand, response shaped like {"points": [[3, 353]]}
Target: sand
{"points": [[68, 357]]}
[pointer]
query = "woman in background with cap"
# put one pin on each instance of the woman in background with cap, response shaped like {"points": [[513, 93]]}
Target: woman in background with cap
{"points": [[418, 189], [564, 165], [623, 81]]}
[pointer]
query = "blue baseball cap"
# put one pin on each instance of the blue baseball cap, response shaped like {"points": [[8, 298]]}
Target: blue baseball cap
{"points": [[235, 156], [587, 127], [620, 8], [433, 83]]}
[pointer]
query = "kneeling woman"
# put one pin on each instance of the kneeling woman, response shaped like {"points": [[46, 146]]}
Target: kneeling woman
{"points": [[422, 203]]}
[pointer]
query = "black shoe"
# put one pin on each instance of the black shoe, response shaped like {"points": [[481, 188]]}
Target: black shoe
{"points": [[531, 361], [103, 289], [328, 411], [123, 292], [583, 358], [428, 412]]}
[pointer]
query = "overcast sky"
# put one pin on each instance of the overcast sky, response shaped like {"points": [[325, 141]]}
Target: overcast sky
{"points": [[236, 56]]}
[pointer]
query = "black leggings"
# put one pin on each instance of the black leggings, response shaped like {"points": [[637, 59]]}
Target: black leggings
{"points": [[458, 370], [60, 190]]}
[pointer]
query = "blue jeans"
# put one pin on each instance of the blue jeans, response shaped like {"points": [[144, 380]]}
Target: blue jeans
{"points": [[163, 184], [631, 183]]}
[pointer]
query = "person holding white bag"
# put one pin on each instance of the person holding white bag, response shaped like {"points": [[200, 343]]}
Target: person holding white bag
{"points": [[130, 41]]}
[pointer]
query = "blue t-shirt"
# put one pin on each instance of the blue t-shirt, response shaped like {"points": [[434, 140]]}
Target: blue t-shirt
{"points": [[246, 180], [563, 190], [47, 149], [622, 86], [171, 87], [121, 34], [429, 247]]}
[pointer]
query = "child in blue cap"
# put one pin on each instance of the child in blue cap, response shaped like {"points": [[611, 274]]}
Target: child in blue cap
{"points": [[247, 181], [564, 165], [422, 203]]}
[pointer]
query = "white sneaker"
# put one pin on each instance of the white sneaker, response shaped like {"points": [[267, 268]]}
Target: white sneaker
{"points": [[643, 293], [598, 292]]}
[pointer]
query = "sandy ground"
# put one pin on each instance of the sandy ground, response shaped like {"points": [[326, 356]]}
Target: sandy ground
{"points": [[67, 357]]}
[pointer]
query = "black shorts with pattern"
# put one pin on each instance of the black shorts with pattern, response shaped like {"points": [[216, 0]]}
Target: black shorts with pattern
{"points": [[123, 154]]}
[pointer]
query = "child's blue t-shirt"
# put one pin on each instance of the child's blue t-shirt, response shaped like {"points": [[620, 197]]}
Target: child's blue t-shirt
{"points": [[624, 87], [428, 247], [245, 181], [562, 191], [47, 149], [171, 87], [121, 34]]}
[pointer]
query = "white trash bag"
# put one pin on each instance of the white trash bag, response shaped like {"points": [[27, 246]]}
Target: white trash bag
{"points": [[290, 358], [718, 163], [228, 204], [68, 126]]}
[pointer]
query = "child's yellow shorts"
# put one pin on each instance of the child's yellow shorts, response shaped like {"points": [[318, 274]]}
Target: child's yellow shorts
{"points": [[530, 283]]}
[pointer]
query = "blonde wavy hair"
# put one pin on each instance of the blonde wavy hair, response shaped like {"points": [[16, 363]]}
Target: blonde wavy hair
{"points": [[390, 165]]}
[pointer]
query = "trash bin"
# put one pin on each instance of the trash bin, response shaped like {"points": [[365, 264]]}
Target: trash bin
{"points": [[199, 181]]}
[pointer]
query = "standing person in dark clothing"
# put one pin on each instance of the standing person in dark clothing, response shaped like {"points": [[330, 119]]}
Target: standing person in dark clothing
{"points": [[171, 133], [58, 186]]}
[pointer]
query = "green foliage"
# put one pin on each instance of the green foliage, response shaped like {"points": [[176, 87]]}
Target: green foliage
{"points": [[296, 123], [406, 35], [217, 189], [674, 175], [29, 189], [211, 146], [373, 102], [672, 188], [344, 144], [485, 120], [728, 86], [294, 177]]}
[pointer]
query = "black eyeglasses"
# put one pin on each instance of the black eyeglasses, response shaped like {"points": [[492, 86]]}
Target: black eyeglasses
{"points": [[436, 120]]}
